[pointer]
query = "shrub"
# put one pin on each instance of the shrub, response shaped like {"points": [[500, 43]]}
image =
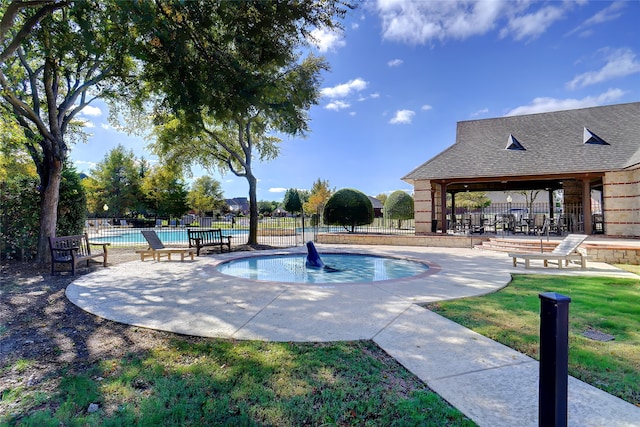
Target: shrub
{"points": [[348, 208], [20, 200], [399, 205], [20, 221], [72, 206]]}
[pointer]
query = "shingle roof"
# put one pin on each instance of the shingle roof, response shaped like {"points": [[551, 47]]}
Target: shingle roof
{"points": [[552, 142]]}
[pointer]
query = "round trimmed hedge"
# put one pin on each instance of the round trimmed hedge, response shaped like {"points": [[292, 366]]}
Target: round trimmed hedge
{"points": [[348, 208]]}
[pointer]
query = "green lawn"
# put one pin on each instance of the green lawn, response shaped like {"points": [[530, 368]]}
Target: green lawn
{"points": [[511, 316], [228, 383]]}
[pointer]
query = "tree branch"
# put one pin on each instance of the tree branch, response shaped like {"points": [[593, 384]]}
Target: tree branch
{"points": [[8, 18]]}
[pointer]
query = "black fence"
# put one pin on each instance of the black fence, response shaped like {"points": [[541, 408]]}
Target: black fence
{"points": [[500, 218], [278, 232], [523, 218]]}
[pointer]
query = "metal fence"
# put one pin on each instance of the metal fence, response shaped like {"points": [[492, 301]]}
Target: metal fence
{"points": [[498, 218], [514, 218], [277, 231]]}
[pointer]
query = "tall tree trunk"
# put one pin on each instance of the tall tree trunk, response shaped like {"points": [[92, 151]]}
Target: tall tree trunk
{"points": [[253, 209], [49, 197]]}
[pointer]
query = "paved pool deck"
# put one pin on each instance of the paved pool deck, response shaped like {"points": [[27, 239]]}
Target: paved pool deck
{"points": [[489, 382]]}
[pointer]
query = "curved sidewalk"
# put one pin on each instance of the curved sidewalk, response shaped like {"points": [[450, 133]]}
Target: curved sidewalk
{"points": [[490, 383]]}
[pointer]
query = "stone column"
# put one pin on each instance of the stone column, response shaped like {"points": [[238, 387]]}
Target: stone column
{"points": [[422, 197]]}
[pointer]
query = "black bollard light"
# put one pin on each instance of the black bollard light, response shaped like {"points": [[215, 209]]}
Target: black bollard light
{"points": [[554, 359]]}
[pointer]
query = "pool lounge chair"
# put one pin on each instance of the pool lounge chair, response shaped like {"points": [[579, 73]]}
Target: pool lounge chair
{"points": [[157, 249], [567, 250]]}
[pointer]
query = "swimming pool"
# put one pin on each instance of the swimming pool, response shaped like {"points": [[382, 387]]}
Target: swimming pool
{"points": [[352, 268], [119, 236]]}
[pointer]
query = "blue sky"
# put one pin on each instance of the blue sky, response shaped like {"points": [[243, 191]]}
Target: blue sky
{"points": [[404, 72]]}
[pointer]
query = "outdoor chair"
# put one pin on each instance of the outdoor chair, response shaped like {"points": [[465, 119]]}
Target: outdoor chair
{"points": [[563, 253], [157, 249]]}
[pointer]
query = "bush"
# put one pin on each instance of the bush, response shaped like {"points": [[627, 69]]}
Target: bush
{"points": [[20, 221], [19, 224], [72, 206], [348, 208], [399, 205]]}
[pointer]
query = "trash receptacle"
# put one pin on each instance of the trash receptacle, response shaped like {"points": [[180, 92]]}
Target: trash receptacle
{"points": [[434, 225]]}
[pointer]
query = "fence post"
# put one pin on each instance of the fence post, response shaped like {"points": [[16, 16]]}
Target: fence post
{"points": [[554, 359]]}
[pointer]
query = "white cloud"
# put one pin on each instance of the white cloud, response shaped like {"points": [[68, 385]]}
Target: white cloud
{"points": [[106, 126], [92, 111], [480, 112], [620, 63], [395, 62], [345, 89], [610, 13], [84, 162], [277, 190], [402, 117], [543, 105], [426, 107], [421, 21], [533, 24], [375, 95], [337, 105], [326, 40]]}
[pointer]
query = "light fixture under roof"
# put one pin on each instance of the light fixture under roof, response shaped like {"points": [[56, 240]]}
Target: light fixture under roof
{"points": [[589, 137], [514, 144]]}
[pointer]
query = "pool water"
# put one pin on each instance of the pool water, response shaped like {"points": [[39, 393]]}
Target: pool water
{"points": [[133, 236], [352, 268]]}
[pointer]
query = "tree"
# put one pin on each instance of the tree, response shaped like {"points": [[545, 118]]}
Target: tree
{"points": [[165, 192], [205, 195], [348, 208], [320, 193], [266, 207], [56, 58], [116, 183], [472, 200], [382, 197], [230, 75], [399, 205], [291, 201], [530, 197]]}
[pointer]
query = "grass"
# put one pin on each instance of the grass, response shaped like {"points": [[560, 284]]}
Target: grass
{"points": [[228, 383], [610, 305]]}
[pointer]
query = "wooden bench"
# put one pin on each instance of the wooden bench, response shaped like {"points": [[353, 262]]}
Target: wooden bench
{"points": [[209, 237], [74, 250]]}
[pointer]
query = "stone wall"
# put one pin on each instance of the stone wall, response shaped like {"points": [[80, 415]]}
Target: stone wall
{"points": [[621, 199], [612, 254], [433, 240]]}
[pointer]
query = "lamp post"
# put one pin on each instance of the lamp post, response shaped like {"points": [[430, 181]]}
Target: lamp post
{"points": [[106, 209], [509, 223]]}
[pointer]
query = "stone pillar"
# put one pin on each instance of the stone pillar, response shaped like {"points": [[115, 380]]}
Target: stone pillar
{"points": [[422, 196], [621, 203], [572, 192]]}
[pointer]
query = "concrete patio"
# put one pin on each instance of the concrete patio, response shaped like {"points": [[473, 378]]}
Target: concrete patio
{"points": [[492, 384]]}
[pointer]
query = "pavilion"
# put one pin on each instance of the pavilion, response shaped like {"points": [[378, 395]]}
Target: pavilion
{"points": [[579, 151]]}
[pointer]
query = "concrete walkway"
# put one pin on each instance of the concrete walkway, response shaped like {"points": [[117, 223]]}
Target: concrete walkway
{"points": [[490, 383]]}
